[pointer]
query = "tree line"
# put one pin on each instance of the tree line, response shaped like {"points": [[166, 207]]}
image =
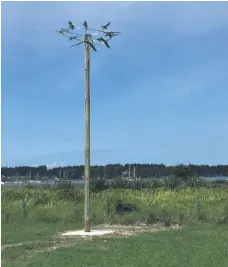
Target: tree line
{"points": [[113, 171]]}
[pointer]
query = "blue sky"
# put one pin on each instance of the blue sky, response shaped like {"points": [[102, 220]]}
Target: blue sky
{"points": [[159, 95]]}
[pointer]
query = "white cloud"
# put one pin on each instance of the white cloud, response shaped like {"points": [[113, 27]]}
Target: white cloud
{"points": [[54, 165]]}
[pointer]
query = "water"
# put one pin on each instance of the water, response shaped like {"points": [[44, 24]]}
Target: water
{"points": [[206, 178], [216, 178], [81, 182]]}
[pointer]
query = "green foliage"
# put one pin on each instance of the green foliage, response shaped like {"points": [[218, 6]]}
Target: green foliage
{"points": [[97, 185], [112, 171], [157, 204], [176, 181], [182, 172]]}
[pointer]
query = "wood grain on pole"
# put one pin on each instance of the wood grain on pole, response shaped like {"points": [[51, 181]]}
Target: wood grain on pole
{"points": [[87, 134]]}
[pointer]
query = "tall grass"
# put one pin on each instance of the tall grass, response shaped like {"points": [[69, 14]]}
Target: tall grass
{"points": [[173, 182], [181, 205]]}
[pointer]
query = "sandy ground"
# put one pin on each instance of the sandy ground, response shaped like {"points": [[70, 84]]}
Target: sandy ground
{"points": [[110, 230]]}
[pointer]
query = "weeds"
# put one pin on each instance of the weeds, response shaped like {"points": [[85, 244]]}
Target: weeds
{"points": [[124, 205]]}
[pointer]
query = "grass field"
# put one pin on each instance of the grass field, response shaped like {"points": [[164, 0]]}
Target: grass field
{"points": [[193, 246], [48, 212]]}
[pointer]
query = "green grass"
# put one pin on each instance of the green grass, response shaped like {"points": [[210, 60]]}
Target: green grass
{"points": [[51, 211], [33, 231], [201, 245]]}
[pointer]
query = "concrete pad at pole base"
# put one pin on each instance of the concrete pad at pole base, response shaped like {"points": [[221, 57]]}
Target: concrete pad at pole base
{"points": [[91, 233]]}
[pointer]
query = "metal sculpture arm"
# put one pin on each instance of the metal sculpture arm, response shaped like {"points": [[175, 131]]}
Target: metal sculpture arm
{"points": [[73, 34]]}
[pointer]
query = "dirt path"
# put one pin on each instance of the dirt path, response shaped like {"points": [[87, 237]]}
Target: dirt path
{"points": [[59, 241]]}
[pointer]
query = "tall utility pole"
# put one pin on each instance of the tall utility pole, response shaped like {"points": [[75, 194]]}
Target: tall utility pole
{"points": [[88, 38], [103, 36]]}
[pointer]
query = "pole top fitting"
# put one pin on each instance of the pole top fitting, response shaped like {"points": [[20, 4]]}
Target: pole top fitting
{"points": [[88, 37]]}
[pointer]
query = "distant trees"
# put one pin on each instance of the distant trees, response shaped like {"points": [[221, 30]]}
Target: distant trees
{"points": [[116, 170], [183, 172], [24, 171]]}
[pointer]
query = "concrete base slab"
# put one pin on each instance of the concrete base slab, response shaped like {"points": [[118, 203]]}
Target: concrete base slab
{"points": [[91, 233]]}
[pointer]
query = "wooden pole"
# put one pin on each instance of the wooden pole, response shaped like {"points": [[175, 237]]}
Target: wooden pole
{"points": [[87, 39]]}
